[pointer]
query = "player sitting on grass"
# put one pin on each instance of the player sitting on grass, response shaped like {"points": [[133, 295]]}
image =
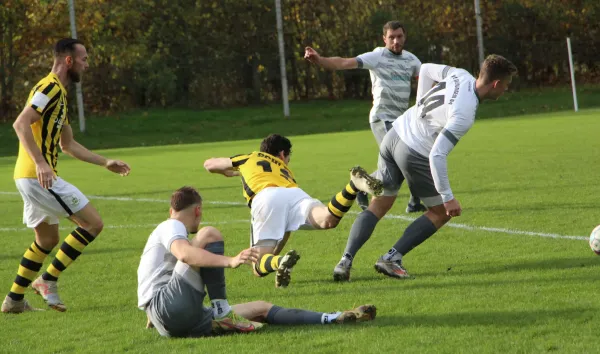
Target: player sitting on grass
{"points": [[174, 271], [279, 206]]}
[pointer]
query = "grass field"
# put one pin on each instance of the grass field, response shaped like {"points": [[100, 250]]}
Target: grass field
{"points": [[513, 274]]}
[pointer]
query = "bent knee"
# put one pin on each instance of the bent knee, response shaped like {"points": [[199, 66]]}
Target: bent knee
{"points": [[210, 234]]}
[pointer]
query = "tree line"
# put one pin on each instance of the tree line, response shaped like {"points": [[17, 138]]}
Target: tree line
{"points": [[184, 53]]}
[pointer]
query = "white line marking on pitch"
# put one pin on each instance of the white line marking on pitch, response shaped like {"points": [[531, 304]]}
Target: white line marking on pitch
{"points": [[132, 226], [389, 216]]}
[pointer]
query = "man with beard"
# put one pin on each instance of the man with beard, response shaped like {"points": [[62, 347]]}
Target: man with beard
{"points": [[392, 69], [41, 127]]}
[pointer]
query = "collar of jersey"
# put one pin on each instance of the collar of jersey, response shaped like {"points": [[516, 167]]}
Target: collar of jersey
{"points": [[273, 156], [392, 53], [54, 76], [475, 90]]}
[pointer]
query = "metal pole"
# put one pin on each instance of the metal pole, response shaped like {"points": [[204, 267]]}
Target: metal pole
{"points": [[78, 84], [479, 31], [284, 86], [575, 106]]}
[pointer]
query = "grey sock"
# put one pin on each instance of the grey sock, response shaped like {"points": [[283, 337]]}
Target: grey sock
{"points": [[361, 231], [415, 234], [214, 278], [280, 315]]}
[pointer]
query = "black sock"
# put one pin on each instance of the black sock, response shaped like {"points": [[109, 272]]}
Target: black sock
{"points": [[280, 315], [214, 278]]}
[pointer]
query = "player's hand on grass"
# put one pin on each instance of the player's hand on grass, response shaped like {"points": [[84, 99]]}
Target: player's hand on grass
{"points": [[311, 55], [453, 208], [247, 256], [117, 166], [45, 175]]}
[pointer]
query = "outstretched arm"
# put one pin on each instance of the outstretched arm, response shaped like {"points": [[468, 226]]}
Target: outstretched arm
{"points": [[72, 148], [221, 165], [331, 63], [198, 257]]}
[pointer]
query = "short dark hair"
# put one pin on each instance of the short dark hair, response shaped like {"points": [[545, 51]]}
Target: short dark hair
{"points": [[185, 197], [275, 143], [393, 25], [65, 46], [496, 67]]}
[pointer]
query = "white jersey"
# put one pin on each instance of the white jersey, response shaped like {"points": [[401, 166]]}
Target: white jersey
{"points": [[442, 115], [391, 75], [157, 263]]}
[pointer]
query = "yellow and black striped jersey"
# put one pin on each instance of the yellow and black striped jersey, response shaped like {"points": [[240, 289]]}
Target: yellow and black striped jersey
{"points": [[260, 170], [49, 99]]}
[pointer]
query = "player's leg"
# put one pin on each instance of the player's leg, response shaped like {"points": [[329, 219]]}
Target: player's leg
{"points": [[322, 217], [77, 208], [261, 311], [210, 239], [379, 128], [418, 175], [365, 223], [46, 238], [270, 209]]}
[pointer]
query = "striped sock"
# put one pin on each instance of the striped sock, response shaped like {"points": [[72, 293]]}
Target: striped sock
{"points": [[68, 252], [342, 202], [267, 264], [30, 265]]}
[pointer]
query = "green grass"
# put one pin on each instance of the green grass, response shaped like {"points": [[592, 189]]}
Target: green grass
{"points": [[474, 290], [174, 126]]}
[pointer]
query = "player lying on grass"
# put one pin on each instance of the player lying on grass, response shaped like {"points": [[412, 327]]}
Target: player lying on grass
{"points": [[174, 272], [278, 206]]}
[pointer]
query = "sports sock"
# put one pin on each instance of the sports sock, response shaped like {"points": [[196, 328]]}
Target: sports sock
{"points": [[31, 263], [70, 249], [361, 231], [341, 202], [214, 280], [267, 264], [415, 234], [285, 316]]}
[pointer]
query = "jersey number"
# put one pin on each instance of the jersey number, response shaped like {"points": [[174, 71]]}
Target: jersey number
{"points": [[266, 166], [430, 102]]}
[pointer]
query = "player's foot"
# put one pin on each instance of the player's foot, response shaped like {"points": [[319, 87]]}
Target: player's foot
{"points": [[415, 208], [283, 276], [234, 323], [341, 272], [365, 182], [49, 291], [362, 199], [360, 314], [11, 306], [392, 269]]}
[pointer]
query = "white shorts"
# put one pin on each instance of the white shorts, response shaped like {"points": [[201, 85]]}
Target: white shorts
{"points": [[49, 205], [276, 210]]}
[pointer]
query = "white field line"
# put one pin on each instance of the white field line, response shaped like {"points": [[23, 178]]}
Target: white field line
{"points": [[389, 216]]}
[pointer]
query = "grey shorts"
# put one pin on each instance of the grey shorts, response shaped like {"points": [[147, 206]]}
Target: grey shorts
{"points": [[398, 162], [177, 309], [379, 129]]}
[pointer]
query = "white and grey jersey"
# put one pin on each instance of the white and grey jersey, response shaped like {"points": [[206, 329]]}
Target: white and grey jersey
{"points": [[157, 262], [391, 76], [445, 111]]}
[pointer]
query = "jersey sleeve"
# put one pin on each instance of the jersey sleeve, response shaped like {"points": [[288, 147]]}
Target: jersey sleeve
{"points": [[44, 95], [167, 238], [462, 118], [368, 60], [416, 67], [238, 160], [429, 74]]}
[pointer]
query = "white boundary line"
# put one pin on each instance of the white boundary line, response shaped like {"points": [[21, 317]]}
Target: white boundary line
{"points": [[389, 216]]}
